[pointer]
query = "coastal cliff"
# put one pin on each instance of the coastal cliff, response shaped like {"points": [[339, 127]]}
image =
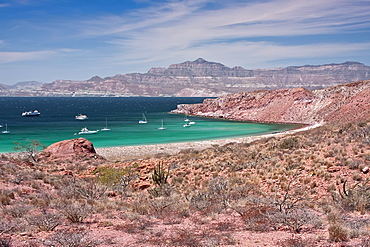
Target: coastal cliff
{"points": [[343, 103]]}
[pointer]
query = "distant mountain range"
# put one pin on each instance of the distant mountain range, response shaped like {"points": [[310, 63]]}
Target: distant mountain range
{"points": [[197, 78]]}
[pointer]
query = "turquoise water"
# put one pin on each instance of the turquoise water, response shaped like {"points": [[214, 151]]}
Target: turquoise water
{"points": [[57, 122]]}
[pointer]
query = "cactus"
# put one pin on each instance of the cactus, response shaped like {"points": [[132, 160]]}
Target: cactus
{"points": [[160, 176]]}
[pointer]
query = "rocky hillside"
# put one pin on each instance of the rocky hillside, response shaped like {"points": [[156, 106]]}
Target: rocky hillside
{"points": [[342, 103], [200, 78]]}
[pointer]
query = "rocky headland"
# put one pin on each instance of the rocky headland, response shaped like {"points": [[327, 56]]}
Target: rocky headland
{"points": [[197, 78], [340, 104]]}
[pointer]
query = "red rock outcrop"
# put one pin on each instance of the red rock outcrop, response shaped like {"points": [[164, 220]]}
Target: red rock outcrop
{"points": [[69, 149], [342, 104]]}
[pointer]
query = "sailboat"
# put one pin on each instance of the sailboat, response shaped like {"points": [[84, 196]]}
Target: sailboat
{"points": [[162, 127], [106, 126], [6, 131], [143, 121]]}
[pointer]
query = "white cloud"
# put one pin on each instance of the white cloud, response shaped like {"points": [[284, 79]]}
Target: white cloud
{"points": [[180, 28], [9, 57]]}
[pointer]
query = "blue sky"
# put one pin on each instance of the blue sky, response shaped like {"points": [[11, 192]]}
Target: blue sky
{"points": [[46, 40]]}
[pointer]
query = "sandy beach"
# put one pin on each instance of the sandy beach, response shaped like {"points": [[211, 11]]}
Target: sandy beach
{"points": [[145, 151]]}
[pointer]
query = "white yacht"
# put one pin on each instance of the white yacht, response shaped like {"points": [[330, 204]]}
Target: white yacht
{"points": [[188, 121], [86, 131], [34, 113], [81, 117]]}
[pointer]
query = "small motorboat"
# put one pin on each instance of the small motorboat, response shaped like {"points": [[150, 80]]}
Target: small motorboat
{"points": [[86, 131], [34, 113], [81, 117]]}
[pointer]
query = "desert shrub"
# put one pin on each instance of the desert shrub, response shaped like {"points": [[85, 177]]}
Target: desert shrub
{"points": [[141, 204], [75, 211], [163, 190], [30, 148], [6, 226], [296, 218], [17, 210], [296, 241], [71, 239], [135, 225], [215, 198], [44, 221], [6, 196], [115, 176], [338, 232], [354, 197], [256, 218], [289, 143], [82, 189], [41, 199], [193, 237], [5, 241]]}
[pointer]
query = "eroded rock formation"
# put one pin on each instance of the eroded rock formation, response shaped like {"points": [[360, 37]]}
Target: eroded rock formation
{"points": [[341, 104]]}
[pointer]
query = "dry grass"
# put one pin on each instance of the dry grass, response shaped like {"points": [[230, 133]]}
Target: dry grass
{"points": [[309, 182]]}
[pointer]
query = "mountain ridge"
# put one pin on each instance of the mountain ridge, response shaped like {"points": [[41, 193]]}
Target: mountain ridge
{"points": [[199, 78]]}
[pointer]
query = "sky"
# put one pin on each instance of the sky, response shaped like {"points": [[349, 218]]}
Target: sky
{"points": [[47, 40]]}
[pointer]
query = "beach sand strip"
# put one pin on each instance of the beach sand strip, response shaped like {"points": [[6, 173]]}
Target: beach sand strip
{"points": [[147, 151]]}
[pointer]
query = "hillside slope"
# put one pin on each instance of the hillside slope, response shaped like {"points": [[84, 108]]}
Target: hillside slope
{"points": [[342, 103]]}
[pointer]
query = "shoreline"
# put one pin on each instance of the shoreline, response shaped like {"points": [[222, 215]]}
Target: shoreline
{"points": [[147, 151]]}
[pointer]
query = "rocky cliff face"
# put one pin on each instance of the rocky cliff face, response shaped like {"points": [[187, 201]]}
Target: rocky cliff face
{"points": [[201, 78], [342, 104]]}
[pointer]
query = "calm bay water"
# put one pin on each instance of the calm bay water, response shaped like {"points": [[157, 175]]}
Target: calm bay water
{"points": [[57, 121]]}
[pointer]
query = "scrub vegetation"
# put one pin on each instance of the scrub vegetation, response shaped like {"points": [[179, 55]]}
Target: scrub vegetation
{"points": [[308, 189]]}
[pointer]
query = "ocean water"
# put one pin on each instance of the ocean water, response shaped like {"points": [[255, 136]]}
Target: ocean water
{"points": [[57, 121]]}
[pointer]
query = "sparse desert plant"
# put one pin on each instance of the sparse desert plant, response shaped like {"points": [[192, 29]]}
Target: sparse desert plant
{"points": [[338, 232], [31, 148], [160, 176], [6, 227], [296, 218], [71, 239], [5, 242], [289, 143], [17, 210], [296, 241], [44, 221], [75, 211], [6, 196], [354, 197]]}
